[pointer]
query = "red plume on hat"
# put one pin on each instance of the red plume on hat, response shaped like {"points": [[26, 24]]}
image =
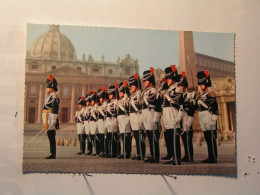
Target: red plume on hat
{"points": [[89, 92], [103, 88], [135, 76], [206, 73], [93, 92], [116, 86], [50, 77], [164, 80], [82, 98], [152, 70], [183, 74], [173, 68], [125, 84]]}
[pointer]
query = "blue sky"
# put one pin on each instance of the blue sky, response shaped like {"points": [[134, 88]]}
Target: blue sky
{"points": [[156, 48]]}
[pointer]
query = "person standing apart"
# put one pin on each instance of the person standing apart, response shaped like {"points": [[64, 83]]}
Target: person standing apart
{"points": [[50, 113]]}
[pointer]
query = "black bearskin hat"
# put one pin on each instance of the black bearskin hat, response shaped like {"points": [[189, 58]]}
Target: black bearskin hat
{"points": [[135, 80], [182, 80], [51, 82], [113, 90], [148, 75], [123, 87], [204, 78], [171, 72], [88, 97], [94, 97], [81, 101], [102, 93]]}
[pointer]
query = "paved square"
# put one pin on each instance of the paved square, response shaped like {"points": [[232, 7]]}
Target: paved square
{"points": [[68, 162]]}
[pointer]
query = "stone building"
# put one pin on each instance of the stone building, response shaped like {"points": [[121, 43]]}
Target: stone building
{"points": [[53, 53]]}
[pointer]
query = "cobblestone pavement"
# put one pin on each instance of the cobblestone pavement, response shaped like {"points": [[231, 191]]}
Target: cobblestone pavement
{"points": [[68, 162]]}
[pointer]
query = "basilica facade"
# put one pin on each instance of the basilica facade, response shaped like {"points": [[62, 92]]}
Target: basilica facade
{"points": [[53, 53]]}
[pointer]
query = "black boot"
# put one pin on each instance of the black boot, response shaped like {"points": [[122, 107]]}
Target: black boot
{"points": [[188, 146], [128, 146], [167, 142], [136, 136], [51, 135]]}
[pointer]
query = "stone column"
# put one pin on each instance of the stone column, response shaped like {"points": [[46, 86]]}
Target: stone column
{"points": [[40, 104], [25, 104], [225, 116], [83, 90], [72, 104]]}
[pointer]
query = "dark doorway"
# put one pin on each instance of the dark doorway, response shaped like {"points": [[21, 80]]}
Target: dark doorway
{"points": [[31, 115], [64, 114]]}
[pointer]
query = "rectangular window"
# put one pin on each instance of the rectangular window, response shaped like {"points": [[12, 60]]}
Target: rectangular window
{"points": [[110, 71], [95, 70], [53, 67], [79, 68], [33, 90], [34, 67], [65, 91], [127, 70]]}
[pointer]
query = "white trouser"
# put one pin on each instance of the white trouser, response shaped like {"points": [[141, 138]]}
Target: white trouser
{"points": [[124, 124], [135, 121], [93, 127], [205, 120], [101, 126], [148, 116], [112, 124], [169, 115], [80, 128], [87, 127]]}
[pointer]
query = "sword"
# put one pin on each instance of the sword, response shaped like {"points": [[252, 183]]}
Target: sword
{"points": [[124, 145], [187, 138], [40, 138], [153, 145], [174, 145], [34, 137], [140, 147]]}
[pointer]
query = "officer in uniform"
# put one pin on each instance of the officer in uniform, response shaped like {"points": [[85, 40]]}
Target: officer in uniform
{"points": [[87, 122], [50, 113], [94, 123], [163, 87], [80, 125], [124, 120], [173, 113], [208, 115], [151, 102], [112, 122], [189, 105], [101, 115], [136, 117]]}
